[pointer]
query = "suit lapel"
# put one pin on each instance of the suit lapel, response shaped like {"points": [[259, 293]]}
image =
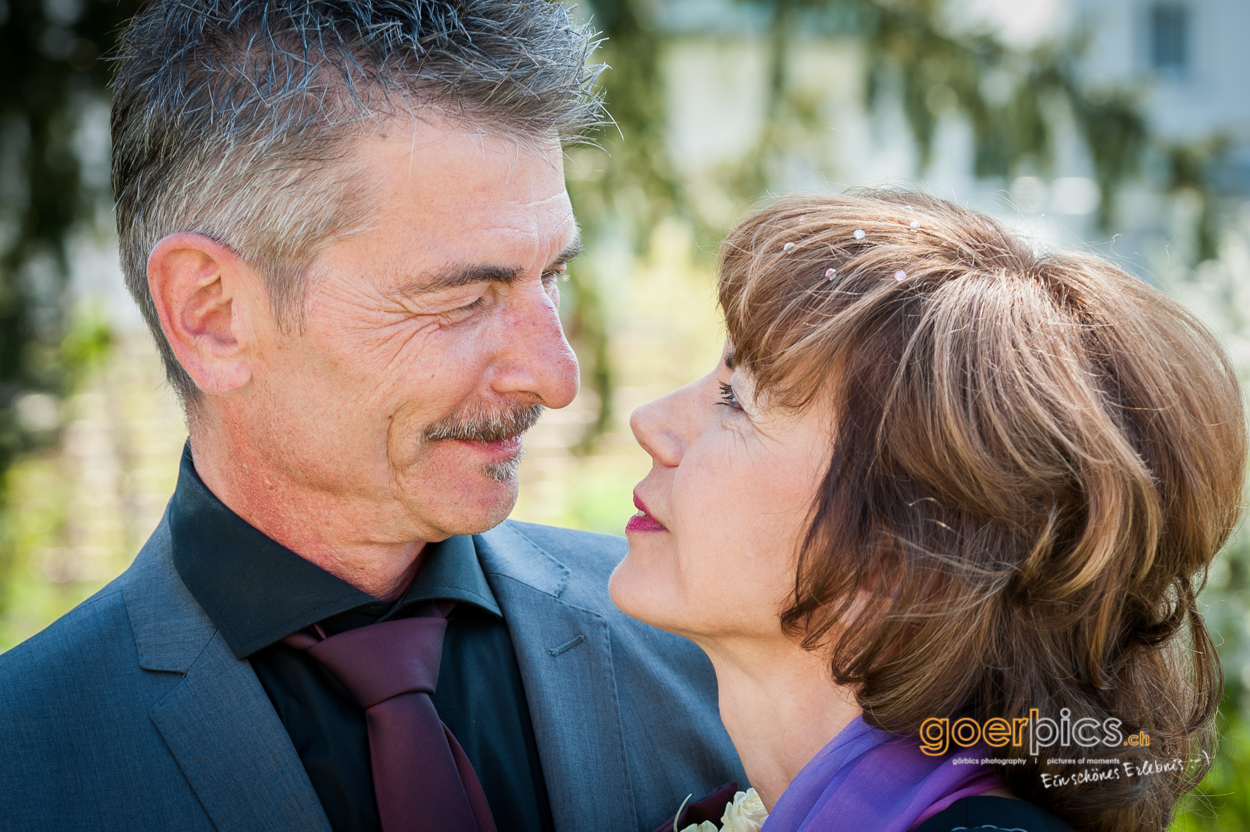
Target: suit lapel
{"points": [[565, 657], [218, 722], [232, 747]]}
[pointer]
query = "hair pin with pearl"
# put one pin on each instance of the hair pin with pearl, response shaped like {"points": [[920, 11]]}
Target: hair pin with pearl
{"points": [[787, 246], [900, 275], [859, 234], [831, 273]]}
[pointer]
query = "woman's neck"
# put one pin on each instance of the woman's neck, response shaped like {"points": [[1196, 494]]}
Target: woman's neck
{"points": [[780, 707]]}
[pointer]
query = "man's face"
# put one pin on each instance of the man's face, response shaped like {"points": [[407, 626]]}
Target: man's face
{"points": [[430, 340]]}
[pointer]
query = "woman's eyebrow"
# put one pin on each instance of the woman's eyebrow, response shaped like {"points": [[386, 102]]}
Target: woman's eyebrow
{"points": [[730, 359]]}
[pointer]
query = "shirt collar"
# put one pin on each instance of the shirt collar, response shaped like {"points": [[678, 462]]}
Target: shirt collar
{"points": [[257, 592]]}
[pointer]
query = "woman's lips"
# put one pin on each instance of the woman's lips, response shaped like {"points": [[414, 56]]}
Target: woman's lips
{"points": [[642, 521]]}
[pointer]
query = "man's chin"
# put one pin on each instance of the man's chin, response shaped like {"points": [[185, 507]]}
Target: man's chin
{"points": [[479, 509], [458, 489], [504, 471]]}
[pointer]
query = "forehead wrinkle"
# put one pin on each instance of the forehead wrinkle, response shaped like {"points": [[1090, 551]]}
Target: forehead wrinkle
{"points": [[528, 205], [537, 235]]}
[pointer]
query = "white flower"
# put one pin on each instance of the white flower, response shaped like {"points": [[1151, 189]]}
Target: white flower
{"points": [[746, 813], [706, 826]]}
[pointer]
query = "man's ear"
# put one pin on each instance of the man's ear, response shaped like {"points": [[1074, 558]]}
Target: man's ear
{"points": [[206, 298]]}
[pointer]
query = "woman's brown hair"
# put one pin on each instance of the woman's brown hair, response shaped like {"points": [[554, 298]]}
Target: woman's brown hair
{"points": [[1035, 458]]}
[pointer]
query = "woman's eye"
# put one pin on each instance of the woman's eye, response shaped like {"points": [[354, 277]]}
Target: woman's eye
{"points": [[728, 398]]}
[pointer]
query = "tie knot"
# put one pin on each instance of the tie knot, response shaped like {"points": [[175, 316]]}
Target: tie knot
{"points": [[381, 661]]}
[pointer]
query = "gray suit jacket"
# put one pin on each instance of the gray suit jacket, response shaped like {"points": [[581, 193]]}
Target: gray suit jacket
{"points": [[130, 713]]}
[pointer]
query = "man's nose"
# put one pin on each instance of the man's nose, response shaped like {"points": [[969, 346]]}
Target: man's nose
{"points": [[537, 362]]}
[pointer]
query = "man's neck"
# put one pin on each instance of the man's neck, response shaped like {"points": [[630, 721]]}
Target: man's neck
{"points": [[322, 528]]}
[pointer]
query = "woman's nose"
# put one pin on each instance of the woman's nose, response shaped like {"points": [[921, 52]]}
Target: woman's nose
{"points": [[656, 426]]}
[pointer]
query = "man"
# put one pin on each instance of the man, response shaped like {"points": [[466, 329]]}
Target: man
{"points": [[345, 223]]}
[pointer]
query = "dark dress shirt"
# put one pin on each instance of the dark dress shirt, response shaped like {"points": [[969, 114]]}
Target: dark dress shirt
{"points": [[257, 592], [992, 814]]}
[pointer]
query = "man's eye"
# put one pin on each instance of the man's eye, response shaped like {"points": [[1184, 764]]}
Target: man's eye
{"points": [[470, 306], [728, 398], [552, 278], [460, 309]]}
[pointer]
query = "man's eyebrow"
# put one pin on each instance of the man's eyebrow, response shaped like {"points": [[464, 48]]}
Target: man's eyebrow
{"points": [[457, 275], [570, 252]]}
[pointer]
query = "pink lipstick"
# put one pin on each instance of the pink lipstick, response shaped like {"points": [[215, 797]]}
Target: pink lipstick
{"points": [[642, 521]]}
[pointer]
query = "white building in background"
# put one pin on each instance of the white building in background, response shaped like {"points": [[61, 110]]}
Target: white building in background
{"points": [[1184, 57], [1192, 59]]}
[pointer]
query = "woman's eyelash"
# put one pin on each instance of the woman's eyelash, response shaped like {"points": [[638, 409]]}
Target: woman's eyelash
{"points": [[727, 397]]}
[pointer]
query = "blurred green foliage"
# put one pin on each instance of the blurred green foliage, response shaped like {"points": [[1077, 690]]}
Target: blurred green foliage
{"points": [[50, 60], [1222, 802], [1218, 291], [34, 523]]}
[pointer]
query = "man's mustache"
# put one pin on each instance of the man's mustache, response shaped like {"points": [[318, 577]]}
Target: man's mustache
{"points": [[478, 424]]}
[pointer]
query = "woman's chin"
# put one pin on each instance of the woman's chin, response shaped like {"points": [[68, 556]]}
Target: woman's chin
{"points": [[638, 595]]}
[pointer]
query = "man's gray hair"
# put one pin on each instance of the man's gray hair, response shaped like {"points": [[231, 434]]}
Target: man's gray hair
{"points": [[231, 118]]}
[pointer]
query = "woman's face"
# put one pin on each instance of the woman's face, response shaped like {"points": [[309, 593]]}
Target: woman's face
{"points": [[712, 552]]}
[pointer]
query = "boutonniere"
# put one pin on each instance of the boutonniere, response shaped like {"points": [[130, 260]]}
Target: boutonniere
{"points": [[744, 813]]}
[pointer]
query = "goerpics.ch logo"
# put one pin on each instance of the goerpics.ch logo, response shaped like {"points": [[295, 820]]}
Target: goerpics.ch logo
{"points": [[938, 734]]}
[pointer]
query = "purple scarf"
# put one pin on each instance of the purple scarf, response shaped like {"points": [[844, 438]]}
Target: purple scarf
{"points": [[869, 779]]}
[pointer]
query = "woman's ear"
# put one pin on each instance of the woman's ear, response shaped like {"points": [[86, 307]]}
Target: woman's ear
{"points": [[205, 297]]}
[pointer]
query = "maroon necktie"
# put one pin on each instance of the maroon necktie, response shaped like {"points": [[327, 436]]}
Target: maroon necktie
{"points": [[421, 778]]}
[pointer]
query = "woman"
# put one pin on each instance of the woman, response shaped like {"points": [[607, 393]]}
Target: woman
{"points": [[944, 500]]}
